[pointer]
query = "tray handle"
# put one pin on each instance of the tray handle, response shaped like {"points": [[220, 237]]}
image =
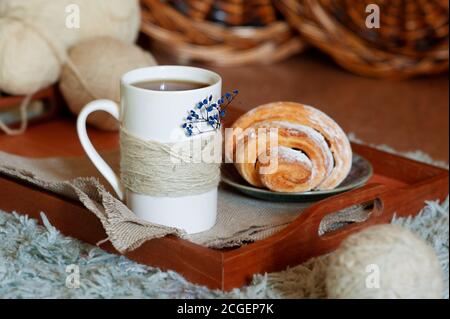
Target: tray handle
{"points": [[302, 235], [371, 193], [373, 216], [304, 231], [300, 240]]}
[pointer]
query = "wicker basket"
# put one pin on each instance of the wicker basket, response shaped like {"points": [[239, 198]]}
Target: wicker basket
{"points": [[190, 31], [412, 38], [229, 12]]}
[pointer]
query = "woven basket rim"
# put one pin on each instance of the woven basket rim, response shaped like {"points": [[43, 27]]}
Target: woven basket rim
{"points": [[325, 32], [218, 44]]}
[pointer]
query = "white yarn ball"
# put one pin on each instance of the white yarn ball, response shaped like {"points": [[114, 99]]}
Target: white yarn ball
{"points": [[399, 261], [28, 62], [24, 69]]}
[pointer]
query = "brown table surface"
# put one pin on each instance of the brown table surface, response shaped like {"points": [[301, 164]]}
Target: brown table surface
{"points": [[407, 115]]}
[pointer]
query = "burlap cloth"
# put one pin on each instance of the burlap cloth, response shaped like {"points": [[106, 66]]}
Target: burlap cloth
{"points": [[240, 219]]}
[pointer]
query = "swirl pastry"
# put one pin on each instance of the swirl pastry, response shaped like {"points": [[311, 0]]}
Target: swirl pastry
{"points": [[310, 150]]}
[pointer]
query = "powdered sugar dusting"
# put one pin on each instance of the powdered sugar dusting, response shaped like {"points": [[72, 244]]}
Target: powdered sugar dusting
{"points": [[312, 134], [293, 156]]}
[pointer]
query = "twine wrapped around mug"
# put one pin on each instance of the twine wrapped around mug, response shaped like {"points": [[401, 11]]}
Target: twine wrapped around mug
{"points": [[165, 169]]}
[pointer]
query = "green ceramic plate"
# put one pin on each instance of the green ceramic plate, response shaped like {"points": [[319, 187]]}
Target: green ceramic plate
{"points": [[360, 173]]}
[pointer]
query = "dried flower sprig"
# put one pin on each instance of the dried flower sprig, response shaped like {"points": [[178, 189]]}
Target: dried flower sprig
{"points": [[207, 115]]}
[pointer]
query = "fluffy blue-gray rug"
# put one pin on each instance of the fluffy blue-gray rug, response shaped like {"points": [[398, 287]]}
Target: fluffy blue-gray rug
{"points": [[39, 262]]}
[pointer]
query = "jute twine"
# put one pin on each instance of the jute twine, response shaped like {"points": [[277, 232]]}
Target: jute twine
{"points": [[167, 169]]}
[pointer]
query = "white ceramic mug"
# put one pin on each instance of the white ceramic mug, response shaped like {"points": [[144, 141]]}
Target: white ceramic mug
{"points": [[157, 115]]}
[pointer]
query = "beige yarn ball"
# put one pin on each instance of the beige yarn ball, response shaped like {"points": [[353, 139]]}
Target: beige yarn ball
{"points": [[34, 36], [100, 62], [384, 262]]}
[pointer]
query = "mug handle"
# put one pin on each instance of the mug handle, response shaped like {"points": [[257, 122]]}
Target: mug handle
{"points": [[112, 108]]}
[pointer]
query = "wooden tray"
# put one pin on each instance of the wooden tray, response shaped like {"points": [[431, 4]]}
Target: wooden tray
{"points": [[398, 186]]}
